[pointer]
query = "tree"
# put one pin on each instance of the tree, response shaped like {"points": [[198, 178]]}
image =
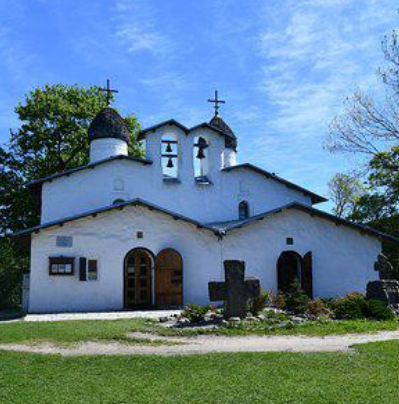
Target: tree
{"points": [[345, 190], [52, 137], [371, 129]]}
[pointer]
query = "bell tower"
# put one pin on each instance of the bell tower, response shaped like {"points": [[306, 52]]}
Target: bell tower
{"points": [[229, 154]]}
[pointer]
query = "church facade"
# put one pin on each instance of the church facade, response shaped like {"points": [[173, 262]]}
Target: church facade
{"points": [[131, 233]]}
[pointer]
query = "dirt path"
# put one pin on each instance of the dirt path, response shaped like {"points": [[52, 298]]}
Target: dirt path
{"points": [[210, 344]]}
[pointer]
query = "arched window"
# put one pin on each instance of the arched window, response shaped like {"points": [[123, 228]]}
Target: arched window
{"points": [[118, 201], [200, 159], [243, 210], [169, 156]]}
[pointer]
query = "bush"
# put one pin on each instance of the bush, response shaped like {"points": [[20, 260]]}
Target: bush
{"points": [[196, 313], [278, 301], [317, 308], [377, 310], [356, 306], [296, 300], [258, 304], [350, 306]]}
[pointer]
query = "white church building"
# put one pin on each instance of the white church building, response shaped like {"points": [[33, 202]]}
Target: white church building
{"points": [[129, 233]]}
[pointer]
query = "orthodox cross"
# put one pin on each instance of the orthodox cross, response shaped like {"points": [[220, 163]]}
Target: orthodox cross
{"points": [[109, 92], [235, 291], [384, 267], [216, 101]]}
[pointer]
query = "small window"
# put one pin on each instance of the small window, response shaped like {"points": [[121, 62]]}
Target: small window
{"points": [[63, 241], [92, 270], [243, 210], [61, 266], [119, 185], [290, 241]]}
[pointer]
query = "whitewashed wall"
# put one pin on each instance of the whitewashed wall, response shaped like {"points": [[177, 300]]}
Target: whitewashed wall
{"points": [[99, 187], [108, 238], [343, 258]]}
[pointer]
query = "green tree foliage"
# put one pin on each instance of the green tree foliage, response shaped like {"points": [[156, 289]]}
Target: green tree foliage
{"points": [[13, 262], [370, 128], [52, 137], [345, 190]]}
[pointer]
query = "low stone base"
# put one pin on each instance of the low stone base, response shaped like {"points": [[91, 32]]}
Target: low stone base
{"points": [[384, 290]]}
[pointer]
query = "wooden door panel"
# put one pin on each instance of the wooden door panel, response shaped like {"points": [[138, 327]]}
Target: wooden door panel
{"points": [[138, 279], [169, 278]]}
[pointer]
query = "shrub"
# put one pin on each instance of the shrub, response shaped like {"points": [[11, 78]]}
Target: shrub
{"points": [[377, 310], [350, 306], [356, 306], [317, 308], [278, 300], [296, 300], [259, 303], [195, 313]]}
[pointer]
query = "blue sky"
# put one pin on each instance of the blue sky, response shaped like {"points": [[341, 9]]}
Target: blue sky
{"points": [[284, 67]]}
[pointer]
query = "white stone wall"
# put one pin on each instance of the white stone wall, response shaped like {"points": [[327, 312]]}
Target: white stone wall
{"points": [[103, 148], [342, 257], [108, 238], [99, 187]]}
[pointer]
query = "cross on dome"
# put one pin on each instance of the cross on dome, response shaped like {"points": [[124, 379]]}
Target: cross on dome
{"points": [[216, 101], [109, 92]]}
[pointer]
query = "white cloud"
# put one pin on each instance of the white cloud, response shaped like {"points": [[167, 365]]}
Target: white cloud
{"points": [[136, 29]]}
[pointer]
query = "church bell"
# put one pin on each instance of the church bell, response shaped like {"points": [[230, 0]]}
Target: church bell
{"points": [[200, 154], [170, 163], [168, 148]]}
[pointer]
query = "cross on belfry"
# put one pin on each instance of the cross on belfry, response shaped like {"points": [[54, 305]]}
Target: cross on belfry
{"points": [[235, 291], [216, 101], [109, 91]]}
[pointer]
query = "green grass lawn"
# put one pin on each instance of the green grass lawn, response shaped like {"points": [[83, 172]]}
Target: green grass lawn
{"points": [[64, 332], [369, 376]]}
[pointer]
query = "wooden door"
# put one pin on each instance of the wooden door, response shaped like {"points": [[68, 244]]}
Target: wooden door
{"points": [[138, 279], [288, 270], [168, 278]]}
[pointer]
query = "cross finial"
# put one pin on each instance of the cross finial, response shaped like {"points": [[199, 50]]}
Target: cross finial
{"points": [[109, 91], [216, 101]]}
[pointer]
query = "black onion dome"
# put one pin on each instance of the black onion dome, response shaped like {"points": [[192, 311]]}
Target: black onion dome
{"points": [[108, 124], [218, 123]]}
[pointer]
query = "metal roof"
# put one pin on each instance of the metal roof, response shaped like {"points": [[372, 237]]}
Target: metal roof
{"points": [[315, 198]]}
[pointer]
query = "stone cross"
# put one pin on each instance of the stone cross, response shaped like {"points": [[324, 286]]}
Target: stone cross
{"points": [[235, 291], [384, 267]]}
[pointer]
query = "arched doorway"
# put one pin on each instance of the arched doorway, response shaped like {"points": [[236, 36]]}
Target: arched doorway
{"points": [[169, 278], [291, 268], [137, 278], [288, 270]]}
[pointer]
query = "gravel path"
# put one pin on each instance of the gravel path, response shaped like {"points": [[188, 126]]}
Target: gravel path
{"points": [[210, 344]]}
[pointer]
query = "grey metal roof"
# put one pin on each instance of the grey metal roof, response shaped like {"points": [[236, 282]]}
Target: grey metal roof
{"points": [[87, 166], [172, 122], [227, 226], [315, 198], [220, 229], [108, 124]]}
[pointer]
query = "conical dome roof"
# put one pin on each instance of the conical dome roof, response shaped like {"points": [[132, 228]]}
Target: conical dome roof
{"points": [[218, 123], [108, 124]]}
